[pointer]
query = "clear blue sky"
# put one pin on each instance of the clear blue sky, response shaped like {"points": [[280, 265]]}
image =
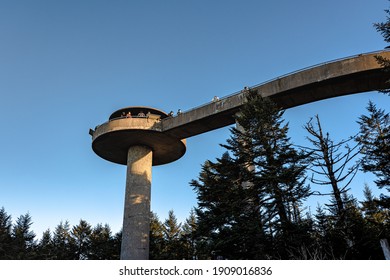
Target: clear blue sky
{"points": [[66, 65]]}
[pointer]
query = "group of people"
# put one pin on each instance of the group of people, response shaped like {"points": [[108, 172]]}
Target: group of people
{"points": [[171, 114], [141, 114]]}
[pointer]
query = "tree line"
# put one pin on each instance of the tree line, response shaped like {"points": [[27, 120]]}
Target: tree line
{"points": [[82, 241], [168, 240]]}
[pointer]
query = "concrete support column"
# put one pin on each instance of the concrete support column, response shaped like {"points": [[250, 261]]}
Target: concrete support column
{"points": [[136, 218]]}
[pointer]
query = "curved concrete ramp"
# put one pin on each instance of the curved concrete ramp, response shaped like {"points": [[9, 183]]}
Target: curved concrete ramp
{"points": [[360, 73]]}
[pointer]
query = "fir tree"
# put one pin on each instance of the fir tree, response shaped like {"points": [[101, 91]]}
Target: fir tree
{"points": [[81, 235], [384, 29], [5, 235], [172, 235], [23, 239], [116, 245], [189, 236], [63, 242], [156, 236], [377, 220], [46, 247], [101, 243], [374, 139], [250, 203], [229, 221], [278, 172]]}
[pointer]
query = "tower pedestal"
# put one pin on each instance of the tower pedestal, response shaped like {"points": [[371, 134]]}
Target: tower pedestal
{"points": [[136, 218], [133, 138]]}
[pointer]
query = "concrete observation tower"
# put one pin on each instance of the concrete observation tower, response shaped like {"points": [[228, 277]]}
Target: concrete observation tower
{"points": [[133, 136], [150, 137]]}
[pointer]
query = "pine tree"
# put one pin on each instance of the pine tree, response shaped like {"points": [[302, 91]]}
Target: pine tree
{"points": [[384, 29], [322, 226], [372, 210], [116, 245], [101, 243], [23, 239], [377, 220], [249, 204], [229, 221], [157, 242], [278, 172], [355, 230], [172, 236], [45, 248], [330, 241], [63, 242], [374, 139], [5, 235], [81, 235], [189, 239]]}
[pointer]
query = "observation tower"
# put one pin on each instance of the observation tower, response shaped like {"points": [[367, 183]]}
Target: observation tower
{"points": [[133, 136], [141, 137]]}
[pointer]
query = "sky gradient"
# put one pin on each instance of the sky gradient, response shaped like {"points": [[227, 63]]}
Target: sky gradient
{"points": [[65, 66]]}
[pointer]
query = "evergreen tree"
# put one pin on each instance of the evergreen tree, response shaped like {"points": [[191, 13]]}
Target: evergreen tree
{"points": [[322, 227], [229, 220], [81, 235], [5, 235], [374, 139], [172, 235], [189, 236], [377, 223], [23, 239], [45, 248], [156, 236], [330, 241], [101, 243], [369, 205], [278, 172], [373, 212], [249, 205], [63, 242], [116, 249], [354, 230], [384, 29]]}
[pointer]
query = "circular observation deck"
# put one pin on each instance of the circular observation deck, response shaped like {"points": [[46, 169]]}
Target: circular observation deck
{"points": [[136, 126]]}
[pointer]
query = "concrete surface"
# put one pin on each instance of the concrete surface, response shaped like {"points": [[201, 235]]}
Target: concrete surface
{"points": [[136, 217]]}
